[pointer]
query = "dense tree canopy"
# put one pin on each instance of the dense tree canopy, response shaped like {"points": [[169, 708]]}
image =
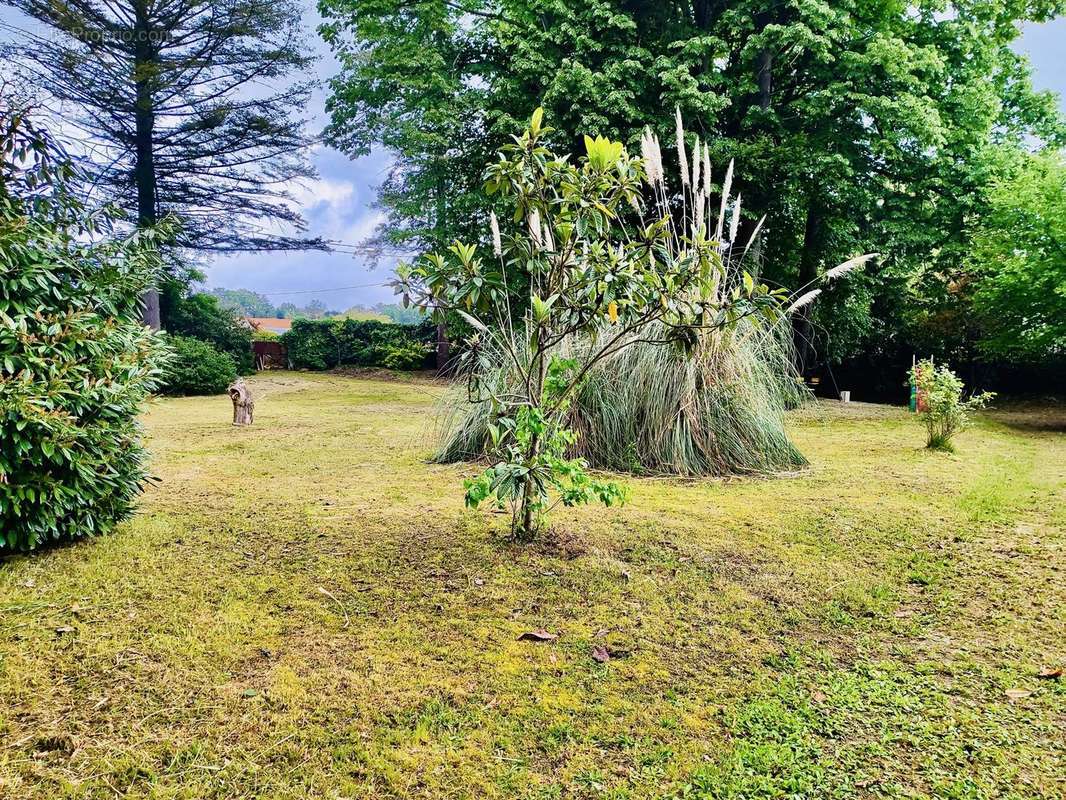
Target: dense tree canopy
{"points": [[245, 301], [1019, 263], [856, 125]]}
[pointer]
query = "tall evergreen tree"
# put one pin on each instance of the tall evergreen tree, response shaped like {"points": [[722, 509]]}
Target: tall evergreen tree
{"points": [[180, 105]]}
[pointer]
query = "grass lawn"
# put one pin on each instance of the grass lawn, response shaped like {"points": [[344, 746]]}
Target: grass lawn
{"points": [[305, 609]]}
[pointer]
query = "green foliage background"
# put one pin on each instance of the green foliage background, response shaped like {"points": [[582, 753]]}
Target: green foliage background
{"points": [[202, 316], [1019, 263], [857, 126], [196, 367], [324, 344]]}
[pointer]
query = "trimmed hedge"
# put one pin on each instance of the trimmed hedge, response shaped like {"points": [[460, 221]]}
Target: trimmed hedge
{"points": [[325, 344]]}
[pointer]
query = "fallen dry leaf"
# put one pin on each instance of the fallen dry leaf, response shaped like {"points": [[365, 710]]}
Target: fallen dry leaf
{"points": [[1050, 674], [64, 629], [539, 635], [818, 697], [1017, 694], [601, 633], [599, 652]]}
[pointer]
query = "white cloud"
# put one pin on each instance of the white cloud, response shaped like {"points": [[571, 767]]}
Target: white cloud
{"points": [[324, 191], [361, 228]]}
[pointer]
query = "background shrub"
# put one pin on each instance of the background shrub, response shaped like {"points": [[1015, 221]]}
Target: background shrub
{"points": [[324, 344], [310, 345], [75, 361], [196, 367], [404, 356], [203, 317]]}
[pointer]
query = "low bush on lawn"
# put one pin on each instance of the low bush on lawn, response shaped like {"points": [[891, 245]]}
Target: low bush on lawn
{"points": [[943, 407], [196, 367], [202, 317], [76, 361]]}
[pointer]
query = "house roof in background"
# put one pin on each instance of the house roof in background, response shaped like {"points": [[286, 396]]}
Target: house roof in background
{"points": [[269, 324]]}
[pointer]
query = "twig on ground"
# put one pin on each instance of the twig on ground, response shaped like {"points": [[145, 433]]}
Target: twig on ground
{"points": [[333, 597]]}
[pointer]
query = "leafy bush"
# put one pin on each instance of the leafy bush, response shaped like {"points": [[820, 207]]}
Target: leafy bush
{"points": [[404, 356], [324, 344], [202, 316], [310, 345], [652, 340], [264, 336], [76, 362], [940, 403], [196, 367]]}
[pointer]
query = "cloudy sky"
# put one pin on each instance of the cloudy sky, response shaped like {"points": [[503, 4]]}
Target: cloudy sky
{"points": [[339, 206]]}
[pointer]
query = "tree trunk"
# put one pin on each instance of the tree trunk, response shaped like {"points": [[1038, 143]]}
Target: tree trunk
{"points": [[243, 404], [144, 161], [802, 327], [525, 532], [765, 75], [444, 347]]}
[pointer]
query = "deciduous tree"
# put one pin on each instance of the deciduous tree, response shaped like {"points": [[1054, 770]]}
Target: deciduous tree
{"points": [[856, 125], [1018, 263]]}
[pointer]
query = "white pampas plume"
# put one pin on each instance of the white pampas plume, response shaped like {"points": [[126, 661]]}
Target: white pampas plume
{"points": [[727, 184], [696, 166], [754, 233], [681, 154], [849, 265], [497, 241], [734, 223], [706, 170], [653, 157], [646, 156], [659, 171], [697, 214], [804, 300], [533, 223]]}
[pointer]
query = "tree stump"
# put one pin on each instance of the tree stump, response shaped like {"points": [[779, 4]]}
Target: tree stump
{"points": [[243, 404]]}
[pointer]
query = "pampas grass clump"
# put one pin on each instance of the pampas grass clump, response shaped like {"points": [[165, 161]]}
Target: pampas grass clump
{"points": [[715, 408], [652, 409]]}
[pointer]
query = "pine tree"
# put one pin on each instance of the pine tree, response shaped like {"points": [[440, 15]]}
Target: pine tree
{"points": [[177, 101]]}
